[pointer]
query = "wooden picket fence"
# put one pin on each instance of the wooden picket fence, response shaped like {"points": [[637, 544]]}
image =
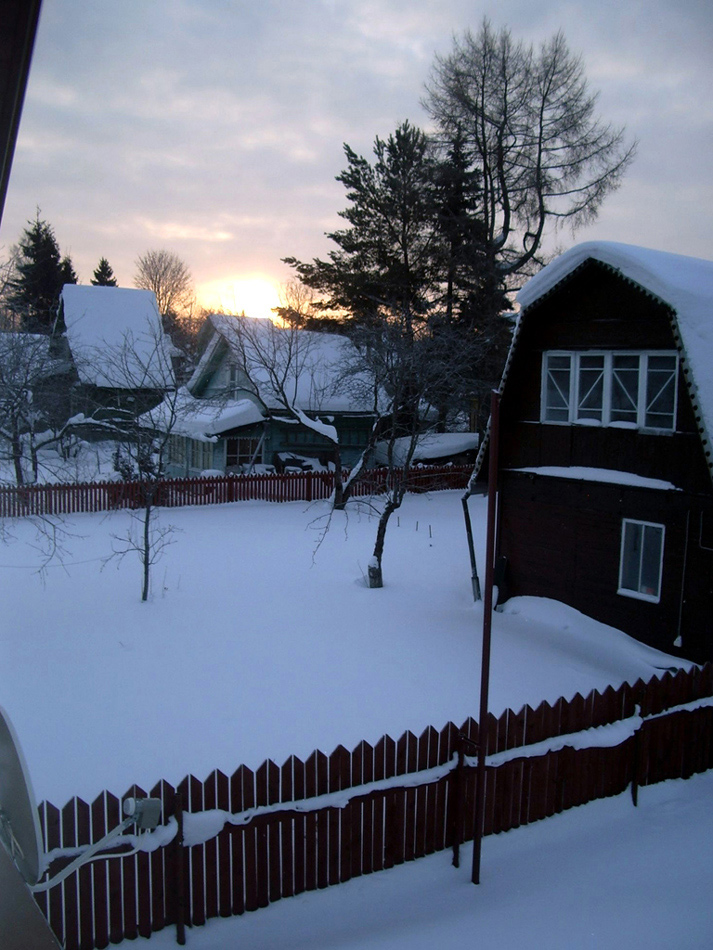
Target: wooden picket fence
{"points": [[214, 490], [385, 804]]}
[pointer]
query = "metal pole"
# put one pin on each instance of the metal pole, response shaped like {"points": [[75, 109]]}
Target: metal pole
{"points": [[487, 624], [471, 549]]}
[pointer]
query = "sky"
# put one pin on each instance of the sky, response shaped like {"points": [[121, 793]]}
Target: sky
{"points": [[215, 128]]}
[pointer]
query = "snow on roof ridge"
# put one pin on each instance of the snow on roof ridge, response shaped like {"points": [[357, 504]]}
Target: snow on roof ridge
{"points": [[684, 284]]}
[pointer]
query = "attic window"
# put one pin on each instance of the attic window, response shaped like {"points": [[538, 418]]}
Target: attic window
{"points": [[232, 380], [608, 388]]}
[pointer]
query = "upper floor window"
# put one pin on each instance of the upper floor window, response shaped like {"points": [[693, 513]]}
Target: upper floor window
{"points": [[636, 389], [233, 380]]}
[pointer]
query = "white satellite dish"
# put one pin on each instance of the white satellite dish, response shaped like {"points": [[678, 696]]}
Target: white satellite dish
{"points": [[19, 822], [22, 923]]}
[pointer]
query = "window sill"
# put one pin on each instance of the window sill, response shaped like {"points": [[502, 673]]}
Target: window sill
{"points": [[637, 595], [594, 424]]}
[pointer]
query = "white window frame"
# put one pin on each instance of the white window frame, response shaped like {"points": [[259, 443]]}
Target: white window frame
{"points": [[638, 594], [201, 455], [574, 396]]}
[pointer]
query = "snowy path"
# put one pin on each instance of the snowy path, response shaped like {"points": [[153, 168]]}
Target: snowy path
{"points": [[606, 876]]}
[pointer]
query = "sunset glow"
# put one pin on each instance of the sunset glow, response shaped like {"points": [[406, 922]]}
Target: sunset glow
{"points": [[255, 296]]}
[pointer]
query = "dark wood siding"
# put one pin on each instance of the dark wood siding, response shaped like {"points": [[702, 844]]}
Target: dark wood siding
{"points": [[562, 539]]}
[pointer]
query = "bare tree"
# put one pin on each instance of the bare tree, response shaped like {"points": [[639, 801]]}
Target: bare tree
{"points": [[403, 371], [32, 384], [528, 119], [169, 278], [142, 446]]}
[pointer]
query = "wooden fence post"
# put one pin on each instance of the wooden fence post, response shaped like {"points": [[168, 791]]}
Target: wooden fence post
{"points": [[179, 866]]}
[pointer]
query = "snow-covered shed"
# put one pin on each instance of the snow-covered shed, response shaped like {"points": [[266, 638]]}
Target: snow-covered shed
{"points": [[606, 493]]}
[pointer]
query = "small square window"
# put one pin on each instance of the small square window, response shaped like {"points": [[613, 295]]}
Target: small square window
{"points": [[641, 560]]}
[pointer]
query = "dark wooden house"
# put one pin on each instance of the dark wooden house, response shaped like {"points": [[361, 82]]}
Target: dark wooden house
{"points": [[605, 466]]}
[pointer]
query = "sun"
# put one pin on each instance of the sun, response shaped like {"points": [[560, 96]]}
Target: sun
{"points": [[253, 296]]}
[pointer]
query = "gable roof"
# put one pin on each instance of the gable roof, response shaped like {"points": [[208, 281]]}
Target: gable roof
{"points": [[312, 379], [103, 322], [684, 284]]}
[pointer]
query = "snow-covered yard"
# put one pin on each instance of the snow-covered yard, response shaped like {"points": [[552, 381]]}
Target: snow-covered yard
{"points": [[257, 643]]}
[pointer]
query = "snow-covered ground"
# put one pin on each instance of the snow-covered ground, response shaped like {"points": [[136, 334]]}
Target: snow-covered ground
{"points": [[605, 876], [257, 643], [80, 462]]}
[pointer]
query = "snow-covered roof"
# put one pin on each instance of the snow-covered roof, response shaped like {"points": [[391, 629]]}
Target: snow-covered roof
{"points": [[200, 419], [430, 445], [116, 337], [685, 284], [314, 368]]}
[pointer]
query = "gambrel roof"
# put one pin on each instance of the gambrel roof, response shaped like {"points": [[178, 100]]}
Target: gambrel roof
{"points": [[684, 284]]}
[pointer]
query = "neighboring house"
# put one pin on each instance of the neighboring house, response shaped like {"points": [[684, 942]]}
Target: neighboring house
{"points": [[262, 395], [606, 498], [121, 359]]}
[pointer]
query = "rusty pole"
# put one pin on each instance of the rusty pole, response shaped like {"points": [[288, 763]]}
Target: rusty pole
{"points": [[487, 625]]}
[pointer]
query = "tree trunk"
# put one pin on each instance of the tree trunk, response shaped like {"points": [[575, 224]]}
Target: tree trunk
{"points": [[146, 550], [17, 458], [340, 496], [35, 461], [376, 578]]}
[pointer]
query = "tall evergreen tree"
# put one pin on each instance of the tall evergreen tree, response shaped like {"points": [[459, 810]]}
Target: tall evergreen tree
{"points": [[40, 274], [384, 263], [103, 275], [414, 254]]}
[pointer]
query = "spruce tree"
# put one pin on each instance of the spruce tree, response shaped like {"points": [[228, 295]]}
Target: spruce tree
{"points": [[41, 273], [103, 275], [384, 265]]}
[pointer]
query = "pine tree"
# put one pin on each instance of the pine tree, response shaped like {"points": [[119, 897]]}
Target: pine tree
{"points": [[41, 273], [384, 264], [103, 275]]}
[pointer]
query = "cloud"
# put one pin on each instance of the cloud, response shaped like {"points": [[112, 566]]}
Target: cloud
{"points": [[216, 126]]}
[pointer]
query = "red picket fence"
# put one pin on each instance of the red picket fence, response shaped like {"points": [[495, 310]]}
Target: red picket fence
{"points": [[391, 802], [214, 490]]}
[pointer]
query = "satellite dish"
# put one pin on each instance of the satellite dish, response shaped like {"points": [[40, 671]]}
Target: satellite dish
{"points": [[20, 826], [19, 822]]}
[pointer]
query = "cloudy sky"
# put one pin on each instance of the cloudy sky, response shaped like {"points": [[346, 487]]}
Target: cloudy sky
{"points": [[214, 128]]}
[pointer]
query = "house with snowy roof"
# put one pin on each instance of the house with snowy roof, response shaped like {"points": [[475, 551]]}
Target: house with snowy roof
{"points": [[263, 395], [112, 339], [605, 463]]}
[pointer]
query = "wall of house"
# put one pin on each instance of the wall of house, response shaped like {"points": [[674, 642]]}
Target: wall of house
{"points": [[562, 537], [292, 438]]}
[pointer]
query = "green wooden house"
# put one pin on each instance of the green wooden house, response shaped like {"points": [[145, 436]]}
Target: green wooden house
{"points": [[265, 397]]}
